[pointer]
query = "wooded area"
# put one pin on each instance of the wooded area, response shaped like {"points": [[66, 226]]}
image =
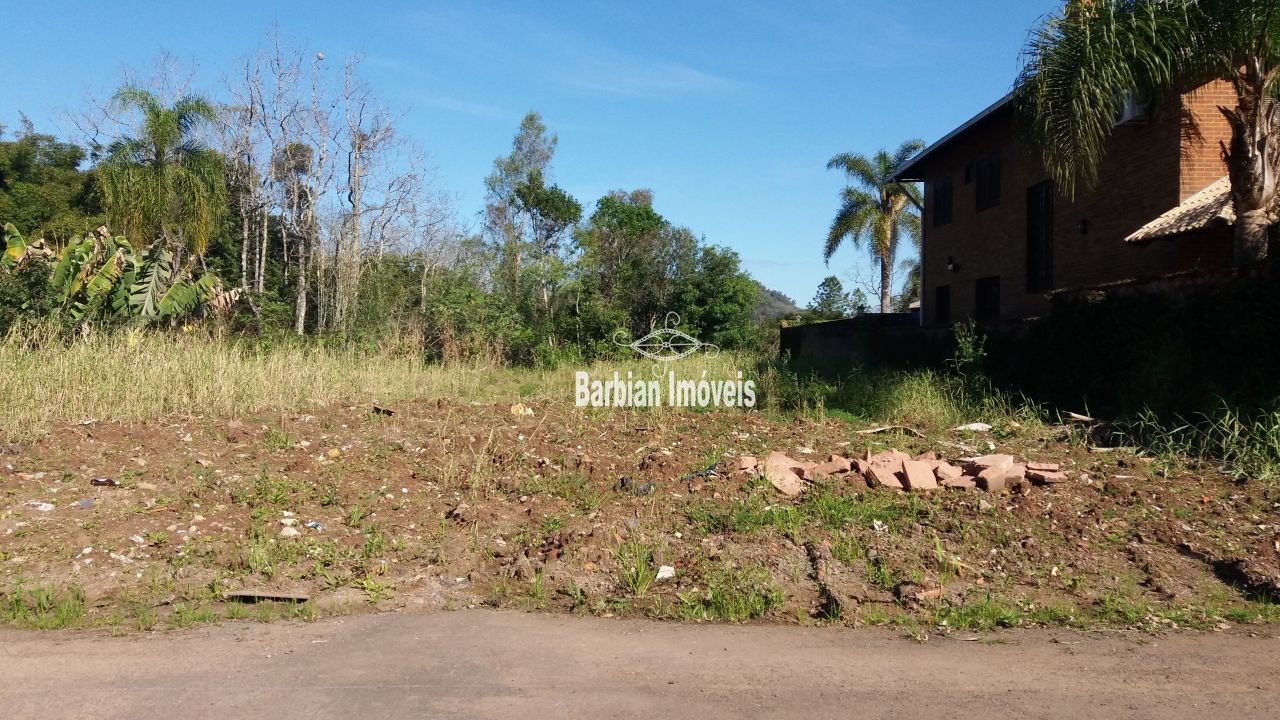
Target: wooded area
{"points": [[291, 203]]}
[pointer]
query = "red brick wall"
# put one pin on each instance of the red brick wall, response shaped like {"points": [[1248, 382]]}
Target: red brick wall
{"points": [[1144, 175], [1202, 162]]}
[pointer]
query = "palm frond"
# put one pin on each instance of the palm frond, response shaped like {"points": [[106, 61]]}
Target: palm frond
{"points": [[1081, 64], [859, 168], [857, 213]]}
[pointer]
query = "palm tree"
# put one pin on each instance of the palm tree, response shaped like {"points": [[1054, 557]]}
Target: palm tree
{"points": [[875, 210], [1082, 64], [164, 185]]}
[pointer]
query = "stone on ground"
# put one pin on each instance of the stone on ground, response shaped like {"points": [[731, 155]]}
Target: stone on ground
{"points": [[918, 475], [779, 470]]}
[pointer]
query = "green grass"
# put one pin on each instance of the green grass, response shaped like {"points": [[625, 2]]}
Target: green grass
{"points": [[985, 614], [1249, 446], [735, 594], [637, 568], [44, 607]]}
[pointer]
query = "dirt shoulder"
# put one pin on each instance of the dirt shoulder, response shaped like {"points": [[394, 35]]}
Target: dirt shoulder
{"points": [[479, 664], [452, 505]]}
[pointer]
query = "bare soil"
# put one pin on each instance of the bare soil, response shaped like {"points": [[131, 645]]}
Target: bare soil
{"points": [[446, 504]]}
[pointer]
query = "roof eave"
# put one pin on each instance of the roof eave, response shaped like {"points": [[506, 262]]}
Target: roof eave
{"points": [[906, 171]]}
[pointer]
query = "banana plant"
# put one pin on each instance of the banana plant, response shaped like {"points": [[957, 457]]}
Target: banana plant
{"points": [[17, 248], [100, 277]]}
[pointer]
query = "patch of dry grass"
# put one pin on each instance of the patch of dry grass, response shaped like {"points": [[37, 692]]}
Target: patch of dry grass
{"points": [[134, 376]]}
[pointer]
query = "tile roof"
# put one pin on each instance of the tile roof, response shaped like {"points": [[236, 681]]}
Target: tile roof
{"points": [[1202, 210]]}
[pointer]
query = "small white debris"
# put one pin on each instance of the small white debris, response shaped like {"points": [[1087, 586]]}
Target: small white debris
{"points": [[41, 506], [289, 532], [977, 427], [666, 572]]}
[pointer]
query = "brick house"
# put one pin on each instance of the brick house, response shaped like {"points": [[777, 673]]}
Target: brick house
{"points": [[999, 239]]}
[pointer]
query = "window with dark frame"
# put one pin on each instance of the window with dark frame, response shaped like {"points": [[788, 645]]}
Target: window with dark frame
{"points": [[942, 305], [1040, 199], [986, 303], [988, 181], [943, 203]]}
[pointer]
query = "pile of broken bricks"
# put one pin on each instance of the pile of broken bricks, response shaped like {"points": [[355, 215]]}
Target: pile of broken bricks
{"points": [[895, 470]]}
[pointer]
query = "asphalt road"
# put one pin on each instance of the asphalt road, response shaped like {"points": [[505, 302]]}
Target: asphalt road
{"points": [[478, 664]]}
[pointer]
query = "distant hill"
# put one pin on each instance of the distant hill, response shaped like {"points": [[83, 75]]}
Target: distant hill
{"points": [[774, 305]]}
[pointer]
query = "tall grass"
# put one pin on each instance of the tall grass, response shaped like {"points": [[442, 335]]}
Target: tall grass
{"points": [[133, 376], [917, 398], [1248, 447]]}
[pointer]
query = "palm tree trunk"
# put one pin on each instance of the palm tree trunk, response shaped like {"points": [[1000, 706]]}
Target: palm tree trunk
{"points": [[1251, 162], [886, 285]]}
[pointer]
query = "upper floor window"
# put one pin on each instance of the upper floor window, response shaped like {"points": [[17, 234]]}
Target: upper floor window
{"points": [[943, 197], [1040, 198], [987, 171]]}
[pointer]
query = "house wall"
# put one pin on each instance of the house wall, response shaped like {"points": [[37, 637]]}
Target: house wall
{"points": [[1204, 127], [1143, 175]]}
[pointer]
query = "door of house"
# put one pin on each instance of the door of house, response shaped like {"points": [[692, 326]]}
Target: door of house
{"points": [[1040, 237]]}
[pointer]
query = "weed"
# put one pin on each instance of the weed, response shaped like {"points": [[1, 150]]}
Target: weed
{"points": [[734, 594], [44, 607], [373, 590], [1115, 609], [635, 560], [879, 574], [375, 541], [986, 614], [276, 438], [537, 591]]}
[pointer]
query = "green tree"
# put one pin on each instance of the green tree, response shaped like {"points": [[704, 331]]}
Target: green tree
{"points": [[631, 257], [162, 184], [551, 212], [507, 222], [43, 191], [875, 210], [831, 302], [1083, 63], [718, 300], [911, 287]]}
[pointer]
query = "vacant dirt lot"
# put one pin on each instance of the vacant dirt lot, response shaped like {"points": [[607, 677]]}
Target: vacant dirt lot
{"points": [[446, 505]]}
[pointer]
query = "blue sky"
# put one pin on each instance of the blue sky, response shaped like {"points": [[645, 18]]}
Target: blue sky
{"points": [[727, 109]]}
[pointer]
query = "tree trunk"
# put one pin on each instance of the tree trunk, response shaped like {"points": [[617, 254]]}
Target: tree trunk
{"points": [[886, 285], [1251, 158], [300, 302], [244, 247], [262, 251]]}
